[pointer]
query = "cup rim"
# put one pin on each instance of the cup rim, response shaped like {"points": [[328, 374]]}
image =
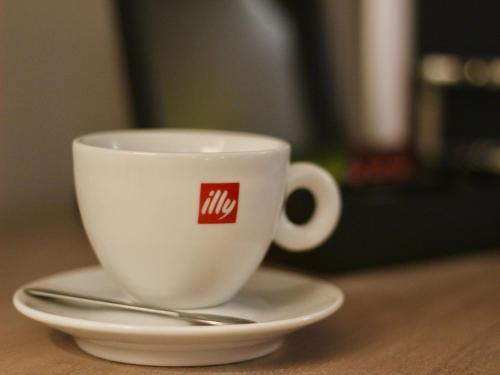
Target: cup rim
{"points": [[279, 144]]}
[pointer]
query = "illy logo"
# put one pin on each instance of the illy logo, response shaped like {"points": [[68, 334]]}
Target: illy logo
{"points": [[218, 203]]}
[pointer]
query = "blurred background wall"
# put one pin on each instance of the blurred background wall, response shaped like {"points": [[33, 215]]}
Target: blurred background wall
{"points": [[61, 75]]}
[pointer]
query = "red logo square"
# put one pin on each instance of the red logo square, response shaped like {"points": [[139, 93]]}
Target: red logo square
{"points": [[218, 203]]}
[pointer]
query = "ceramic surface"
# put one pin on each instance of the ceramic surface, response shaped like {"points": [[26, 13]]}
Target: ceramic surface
{"points": [[183, 218], [279, 301]]}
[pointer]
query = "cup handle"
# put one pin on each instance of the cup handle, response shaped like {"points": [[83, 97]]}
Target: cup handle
{"points": [[326, 214]]}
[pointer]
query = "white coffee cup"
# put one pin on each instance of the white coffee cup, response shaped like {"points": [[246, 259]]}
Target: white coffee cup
{"points": [[183, 218]]}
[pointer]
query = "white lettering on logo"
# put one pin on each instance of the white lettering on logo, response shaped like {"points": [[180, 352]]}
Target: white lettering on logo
{"points": [[217, 201]]}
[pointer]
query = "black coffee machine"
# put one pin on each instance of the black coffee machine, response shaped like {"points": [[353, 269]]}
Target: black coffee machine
{"points": [[434, 192]]}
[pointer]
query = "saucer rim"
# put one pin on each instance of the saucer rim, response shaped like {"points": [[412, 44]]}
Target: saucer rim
{"points": [[184, 331]]}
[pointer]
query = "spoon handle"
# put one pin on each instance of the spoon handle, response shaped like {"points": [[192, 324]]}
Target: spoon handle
{"points": [[199, 318]]}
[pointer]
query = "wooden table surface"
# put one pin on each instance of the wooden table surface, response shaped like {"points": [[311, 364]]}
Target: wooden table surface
{"points": [[436, 317]]}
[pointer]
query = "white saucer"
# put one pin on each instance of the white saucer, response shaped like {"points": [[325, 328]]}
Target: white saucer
{"points": [[280, 301]]}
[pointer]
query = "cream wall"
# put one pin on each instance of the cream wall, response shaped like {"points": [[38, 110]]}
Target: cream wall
{"points": [[60, 75]]}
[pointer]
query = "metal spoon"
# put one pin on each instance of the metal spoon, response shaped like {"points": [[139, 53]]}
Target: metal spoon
{"points": [[198, 318]]}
